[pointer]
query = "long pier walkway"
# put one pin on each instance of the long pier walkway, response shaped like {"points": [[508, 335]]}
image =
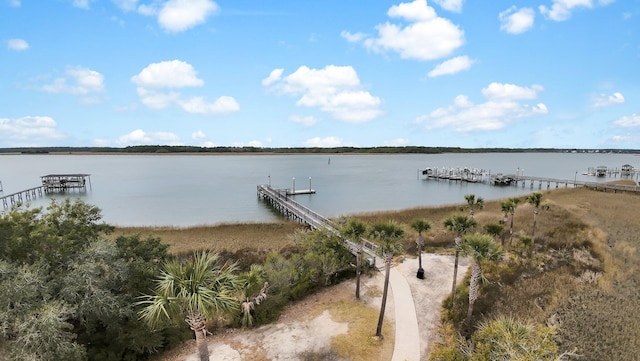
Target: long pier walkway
{"points": [[281, 200], [407, 334], [13, 199]]}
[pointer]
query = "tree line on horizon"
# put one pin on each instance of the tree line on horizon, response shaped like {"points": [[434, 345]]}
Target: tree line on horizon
{"points": [[168, 149]]}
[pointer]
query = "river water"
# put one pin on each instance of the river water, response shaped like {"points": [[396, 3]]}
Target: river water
{"points": [[188, 190]]}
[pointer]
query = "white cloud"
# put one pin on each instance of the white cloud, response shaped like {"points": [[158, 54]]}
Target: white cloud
{"points": [[427, 37], [17, 44], [516, 21], [273, 77], [500, 91], [157, 81], [335, 90], [168, 74], [307, 121], [451, 66], [451, 5], [604, 100], [352, 37], [14, 3], [29, 130], [77, 81], [328, 142], [198, 105], [181, 15], [561, 9], [139, 137], [628, 121], [501, 108]]}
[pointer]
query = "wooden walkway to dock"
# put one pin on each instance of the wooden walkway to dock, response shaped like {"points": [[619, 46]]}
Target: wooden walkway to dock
{"points": [[281, 200], [17, 198], [603, 186]]}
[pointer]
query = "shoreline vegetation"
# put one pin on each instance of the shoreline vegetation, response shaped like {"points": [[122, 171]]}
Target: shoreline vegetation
{"points": [[584, 259], [227, 150]]}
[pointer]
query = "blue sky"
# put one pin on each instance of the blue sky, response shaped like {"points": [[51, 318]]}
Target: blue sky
{"points": [[320, 73]]}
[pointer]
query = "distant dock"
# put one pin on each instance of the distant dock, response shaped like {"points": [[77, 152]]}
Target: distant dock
{"points": [[51, 183]]}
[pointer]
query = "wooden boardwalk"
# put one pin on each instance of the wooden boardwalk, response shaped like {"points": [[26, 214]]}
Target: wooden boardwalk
{"points": [[17, 198], [281, 200], [556, 182]]}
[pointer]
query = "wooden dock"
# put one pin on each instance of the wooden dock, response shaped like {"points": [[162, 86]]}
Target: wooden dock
{"points": [[18, 198], [51, 183], [280, 199]]}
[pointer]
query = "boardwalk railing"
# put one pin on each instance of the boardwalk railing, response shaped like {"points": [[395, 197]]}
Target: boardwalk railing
{"points": [[284, 203], [575, 183], [13, 199]]}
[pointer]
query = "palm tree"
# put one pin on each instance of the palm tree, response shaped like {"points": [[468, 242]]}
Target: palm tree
{"points": [[197, 290], [480, 247], [355, 229], [459, 224], [535, 199], [420, 225], [387, 236], [509, 207], [474, 203], [254, 292]]}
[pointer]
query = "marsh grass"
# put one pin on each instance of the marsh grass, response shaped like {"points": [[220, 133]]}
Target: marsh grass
{"points": [[224, 237]]}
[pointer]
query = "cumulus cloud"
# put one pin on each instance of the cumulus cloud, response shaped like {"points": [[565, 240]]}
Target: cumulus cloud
{"points": [[28, 131], [334, 89], [516, 21], [328, 142], [426, 37], [17, 44], [306, 121], [498, 91], [273, 77], [451, 5], [561, 10], [502, 107], [451, 66], [157, 83], [604, 100], [168, 74], [180, 15], [628, 121], [78, 81], [139, 137]]}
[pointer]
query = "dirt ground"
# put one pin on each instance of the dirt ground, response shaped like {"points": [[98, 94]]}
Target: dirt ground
{"points": [[296, 333]]}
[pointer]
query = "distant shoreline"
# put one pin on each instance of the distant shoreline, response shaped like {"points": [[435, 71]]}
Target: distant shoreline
{"points": [[222, 150]]}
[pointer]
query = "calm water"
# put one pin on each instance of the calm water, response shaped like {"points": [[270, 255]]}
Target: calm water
{"points": [[191, 190]]}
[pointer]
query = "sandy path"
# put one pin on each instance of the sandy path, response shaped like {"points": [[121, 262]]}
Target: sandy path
{"points": [[296, 333]]}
